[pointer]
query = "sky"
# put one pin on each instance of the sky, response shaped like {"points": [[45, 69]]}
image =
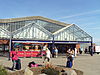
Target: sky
{"points": [[84, 13]]}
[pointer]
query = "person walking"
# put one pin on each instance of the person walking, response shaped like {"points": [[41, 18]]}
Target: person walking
{"points": [[75, 52], [44, 51], [56, 52], [48, 54], [44, 47]]}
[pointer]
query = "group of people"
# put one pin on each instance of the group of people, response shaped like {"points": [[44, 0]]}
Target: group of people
{"points": [[71, 54], [17, 62]]}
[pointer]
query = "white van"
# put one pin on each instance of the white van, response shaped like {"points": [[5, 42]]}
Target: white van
{"points": [[97, 49]]}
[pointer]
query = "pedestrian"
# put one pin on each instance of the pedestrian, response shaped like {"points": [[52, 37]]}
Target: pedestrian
{"points": [[44, 47], [56, 52], [75, 52], [44, 51], [71, 56], [14, 58], [80, 50], [85, 50], [48, 54], [53, 52]]}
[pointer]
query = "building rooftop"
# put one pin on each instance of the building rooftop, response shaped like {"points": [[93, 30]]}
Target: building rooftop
{"points": [[32, 18]]}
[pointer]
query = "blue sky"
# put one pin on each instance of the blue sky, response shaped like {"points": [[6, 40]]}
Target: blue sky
{"points": [[84, 13]]}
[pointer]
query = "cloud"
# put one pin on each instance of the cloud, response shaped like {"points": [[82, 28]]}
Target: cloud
{"points": [[80, 14], [89, 25], [94, 28], [97, 41]]}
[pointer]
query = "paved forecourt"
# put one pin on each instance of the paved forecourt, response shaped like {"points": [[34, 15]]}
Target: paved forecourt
{"points": [[90, 65]]}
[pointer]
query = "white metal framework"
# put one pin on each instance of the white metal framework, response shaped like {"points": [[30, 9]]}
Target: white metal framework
{"points": [[42, 29]]}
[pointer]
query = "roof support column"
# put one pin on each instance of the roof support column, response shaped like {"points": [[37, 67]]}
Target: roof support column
{"points": [[10, 43], [91, 49], [53, 46]]}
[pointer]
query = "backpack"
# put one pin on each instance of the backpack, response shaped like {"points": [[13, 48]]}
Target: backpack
{"points": [[69, 64], [18, 64]]}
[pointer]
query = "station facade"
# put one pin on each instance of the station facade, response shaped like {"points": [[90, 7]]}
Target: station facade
{"points": [[31, 33]]}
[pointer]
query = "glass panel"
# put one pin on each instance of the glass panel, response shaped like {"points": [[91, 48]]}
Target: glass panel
{"points": [[51, 27], [44, 30], [73, 33], [4, 34]]}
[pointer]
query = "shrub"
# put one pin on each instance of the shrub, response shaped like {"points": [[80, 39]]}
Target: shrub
{"points": [[2, 70], [50, 71]]}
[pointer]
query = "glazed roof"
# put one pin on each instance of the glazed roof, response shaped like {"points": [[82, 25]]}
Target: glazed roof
{"points": [[32, 18]]}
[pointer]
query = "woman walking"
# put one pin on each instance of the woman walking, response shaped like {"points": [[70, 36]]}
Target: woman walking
{"points": [[48, 54]]}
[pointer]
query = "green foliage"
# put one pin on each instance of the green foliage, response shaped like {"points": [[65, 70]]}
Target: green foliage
{"points": [[2, 70], [50, 71]]}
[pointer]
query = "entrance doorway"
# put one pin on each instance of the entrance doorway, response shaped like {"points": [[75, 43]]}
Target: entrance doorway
{"points": [[62, 48]]}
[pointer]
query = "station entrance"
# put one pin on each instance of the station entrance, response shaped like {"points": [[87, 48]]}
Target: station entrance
{"points": [[62, 48]]}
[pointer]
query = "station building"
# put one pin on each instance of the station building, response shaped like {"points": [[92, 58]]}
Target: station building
{"points": [[31, 33]]}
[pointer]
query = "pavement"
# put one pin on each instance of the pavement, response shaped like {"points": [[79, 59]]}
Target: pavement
{"points": [[90, 65]]}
